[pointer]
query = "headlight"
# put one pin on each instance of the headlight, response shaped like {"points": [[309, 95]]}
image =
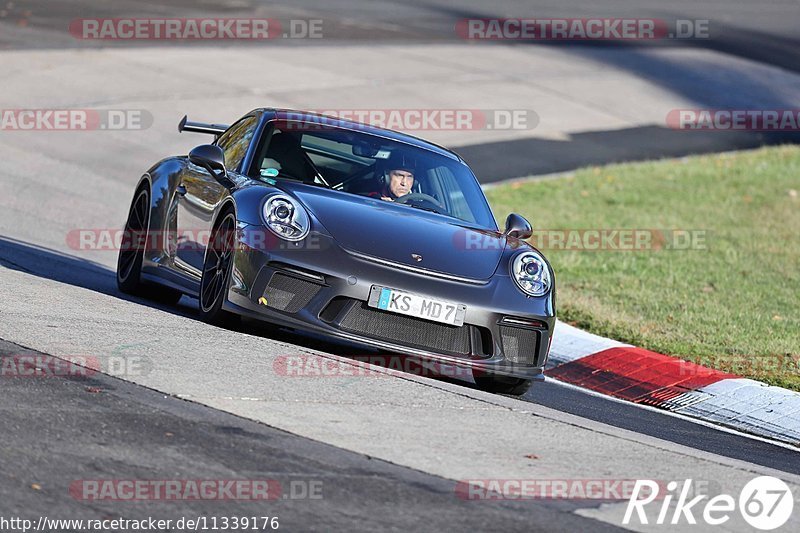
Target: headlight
{"points": [[531, 274], [286, 218]]}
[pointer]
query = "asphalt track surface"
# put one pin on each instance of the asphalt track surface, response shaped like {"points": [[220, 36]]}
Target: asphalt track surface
{"points": [[59, 430], [138, 420], [764, 32], [550, 394], [56, 430]]}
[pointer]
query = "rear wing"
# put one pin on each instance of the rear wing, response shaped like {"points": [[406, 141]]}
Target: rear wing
{"points": [[198, 127]]}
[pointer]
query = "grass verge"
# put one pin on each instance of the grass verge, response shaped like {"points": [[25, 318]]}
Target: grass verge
{"points": [[722, 291]]}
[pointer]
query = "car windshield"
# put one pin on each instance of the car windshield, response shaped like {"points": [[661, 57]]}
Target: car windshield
{"points": [[361, 163]]}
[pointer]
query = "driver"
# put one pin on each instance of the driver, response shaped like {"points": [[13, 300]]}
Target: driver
{"points": [[398, 178]]}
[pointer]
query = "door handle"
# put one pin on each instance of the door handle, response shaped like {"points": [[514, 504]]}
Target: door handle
{"points": [[181, 189]]}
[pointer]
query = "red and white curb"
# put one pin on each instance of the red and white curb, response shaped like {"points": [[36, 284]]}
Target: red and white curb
{"points": [[644, 377]]}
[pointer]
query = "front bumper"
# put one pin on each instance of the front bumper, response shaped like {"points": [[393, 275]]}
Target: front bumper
{"points": [[317, 286]]}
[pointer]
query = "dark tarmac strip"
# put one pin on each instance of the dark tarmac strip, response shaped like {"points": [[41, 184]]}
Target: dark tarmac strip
{"points": [[497, 161], [625, 415], [753, 30], [740, 28], [56, 431], [657, 424]]}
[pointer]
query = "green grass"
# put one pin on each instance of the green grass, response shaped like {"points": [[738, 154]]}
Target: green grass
{"points": [[732, 305]]}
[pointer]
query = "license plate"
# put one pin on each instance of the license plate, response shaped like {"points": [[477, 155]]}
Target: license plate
{"points": [[406, 303]]}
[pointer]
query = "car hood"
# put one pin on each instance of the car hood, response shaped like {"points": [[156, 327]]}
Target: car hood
{"points": [[398, 233]]}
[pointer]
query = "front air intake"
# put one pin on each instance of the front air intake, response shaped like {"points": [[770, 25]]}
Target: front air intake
{"points": [[520, 345], [289, 294], [410, 331]]}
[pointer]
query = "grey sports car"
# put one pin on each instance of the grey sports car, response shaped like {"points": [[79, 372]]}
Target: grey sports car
{"points": [[347, 230]]}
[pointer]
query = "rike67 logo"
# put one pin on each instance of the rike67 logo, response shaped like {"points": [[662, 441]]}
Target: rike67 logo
{"points": [[765, 503]]}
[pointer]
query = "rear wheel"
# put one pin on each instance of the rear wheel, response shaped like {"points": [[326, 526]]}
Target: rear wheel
{"points": [[504, 384], [217, 272], [131, 254]]}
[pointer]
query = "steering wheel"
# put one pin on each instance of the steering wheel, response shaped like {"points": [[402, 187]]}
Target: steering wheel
{"points": [[423, 200]]}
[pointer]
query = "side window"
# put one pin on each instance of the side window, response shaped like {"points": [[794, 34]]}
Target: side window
{"points": [[451, 193], [236, 140]]}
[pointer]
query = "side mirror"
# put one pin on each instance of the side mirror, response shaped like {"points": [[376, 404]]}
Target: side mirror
{"points": [[518, 227], [210, 157]]}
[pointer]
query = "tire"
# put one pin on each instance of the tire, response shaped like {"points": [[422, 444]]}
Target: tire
{"points": [[131, 254], [216, 276], [504, 385]]}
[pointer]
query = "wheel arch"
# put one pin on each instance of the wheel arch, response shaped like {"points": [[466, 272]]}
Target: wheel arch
{"points": [[161, 179], [225, 205]]}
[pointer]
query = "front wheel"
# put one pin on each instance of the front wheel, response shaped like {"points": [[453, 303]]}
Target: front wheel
{"points": [[217, 272], [504, 384]]}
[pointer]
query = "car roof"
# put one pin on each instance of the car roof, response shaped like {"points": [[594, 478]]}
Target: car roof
{"points": [[298, 115]]}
